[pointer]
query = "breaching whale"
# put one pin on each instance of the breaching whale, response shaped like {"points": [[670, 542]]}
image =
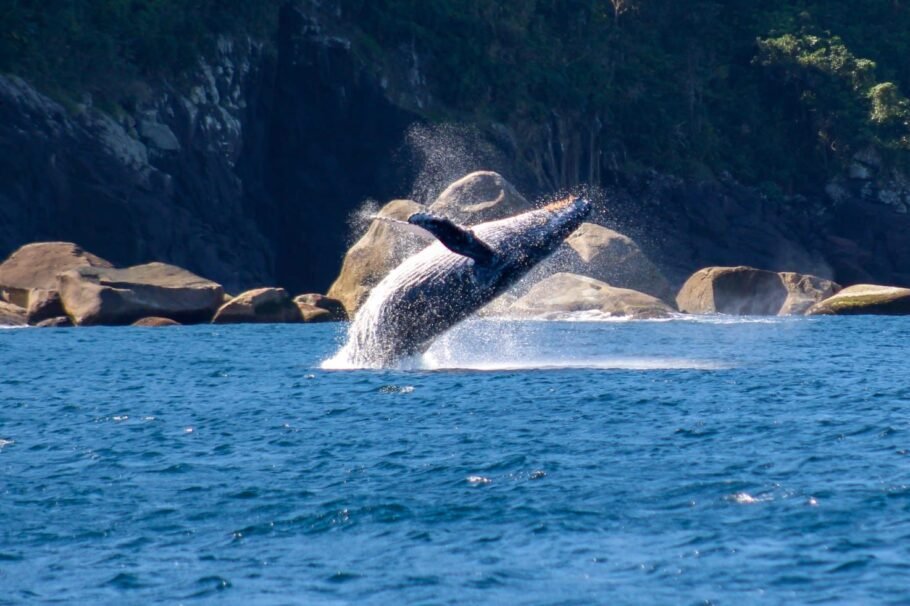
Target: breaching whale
{"points": [[438, 287]]}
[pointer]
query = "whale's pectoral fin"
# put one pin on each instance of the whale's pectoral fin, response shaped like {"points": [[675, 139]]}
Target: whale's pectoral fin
{"points": [[456, 238]]}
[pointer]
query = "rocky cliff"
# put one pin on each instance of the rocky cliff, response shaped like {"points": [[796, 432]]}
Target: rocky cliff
{"points": [[247, 171]]}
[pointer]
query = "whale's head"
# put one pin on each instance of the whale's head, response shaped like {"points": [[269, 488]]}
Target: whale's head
{"points": [[525, 240]]}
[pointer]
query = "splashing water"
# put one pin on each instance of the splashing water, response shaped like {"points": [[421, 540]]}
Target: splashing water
{"points": [[495, 345], [445, 153]]}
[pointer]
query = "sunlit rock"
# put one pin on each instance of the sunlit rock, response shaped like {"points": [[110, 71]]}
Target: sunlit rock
{"points": [[155, 322], [43, 304], [865, 299], [375, 254], [564, 293], [11, 315], [333, 307], [95, 295], [261, 305], [746, 291], [804, 291], [479, 197], [736, 291], [609, 256], [36, 266], [58, 322]]}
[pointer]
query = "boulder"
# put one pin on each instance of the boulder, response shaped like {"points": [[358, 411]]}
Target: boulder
{"points": [[498, 306], [732, 290], [334, 307], [311, 314], [865, 299], [804, 291], [155, 322], [609, 256], [262, 305], [58, 322], [565, 292], [36, 266], [95, 295], [43, 305], [375, 254], [11, 315], [479, 197]]}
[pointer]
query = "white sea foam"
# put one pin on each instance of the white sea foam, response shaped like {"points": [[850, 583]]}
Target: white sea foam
{"points": [[554, 364], [497, 346]]}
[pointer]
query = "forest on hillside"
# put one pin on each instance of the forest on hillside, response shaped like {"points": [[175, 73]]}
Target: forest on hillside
{"points": [[781, 93]]}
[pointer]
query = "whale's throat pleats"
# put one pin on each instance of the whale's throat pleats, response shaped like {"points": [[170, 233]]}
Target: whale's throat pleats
{"points": [[456, 238]]}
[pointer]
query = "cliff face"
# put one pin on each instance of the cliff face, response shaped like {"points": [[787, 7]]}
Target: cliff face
{"points": [[247, 173], [159, 184]]}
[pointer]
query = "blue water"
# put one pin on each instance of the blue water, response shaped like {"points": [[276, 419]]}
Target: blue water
{"points": [[715, 461]]}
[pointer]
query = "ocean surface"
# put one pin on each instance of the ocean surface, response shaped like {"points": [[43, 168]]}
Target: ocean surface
{"points": [[719, 460]]}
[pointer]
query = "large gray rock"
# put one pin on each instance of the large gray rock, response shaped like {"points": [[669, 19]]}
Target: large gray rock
{"points": [[564, 292], [93, 295], [609, 256], [333, 307], [36, 266], [732, 290], [865, 299], [375, 254], [804, 291], [259, 306], [498, 306], [58, 322], [311, 314], [479, 197], [44, 305], [155, 322], [749, 291], [11, 315]]}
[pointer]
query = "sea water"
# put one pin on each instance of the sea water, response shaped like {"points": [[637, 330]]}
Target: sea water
{"points": [[717, 460]]}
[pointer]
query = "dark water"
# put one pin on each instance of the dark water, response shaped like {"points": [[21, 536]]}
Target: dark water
{"points": [[682, 462]]}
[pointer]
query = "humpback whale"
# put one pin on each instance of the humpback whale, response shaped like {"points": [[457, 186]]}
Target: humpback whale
{"points": [[463, 270]]}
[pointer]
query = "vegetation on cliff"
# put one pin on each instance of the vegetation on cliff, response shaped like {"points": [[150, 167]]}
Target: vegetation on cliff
{"points": [[114, 49], [782, 92]]}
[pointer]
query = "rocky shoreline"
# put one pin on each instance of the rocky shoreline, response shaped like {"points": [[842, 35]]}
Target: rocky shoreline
{"points": [[54, 284]]}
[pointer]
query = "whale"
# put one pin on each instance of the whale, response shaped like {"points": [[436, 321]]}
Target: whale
{"points": [[461, 271]]}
